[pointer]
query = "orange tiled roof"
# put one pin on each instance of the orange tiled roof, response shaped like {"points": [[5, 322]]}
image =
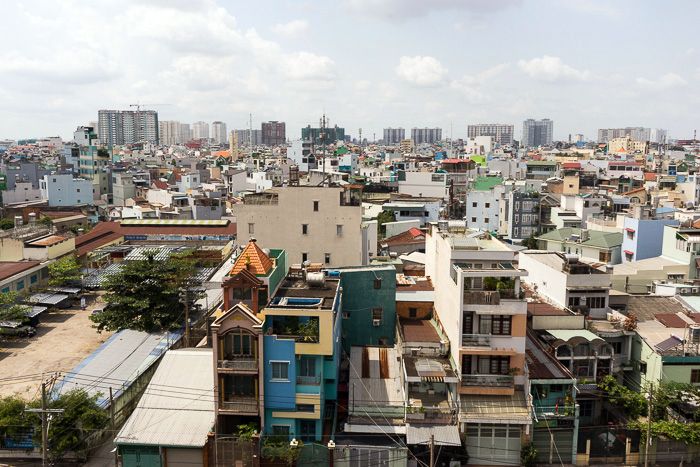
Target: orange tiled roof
{"points": [[259, 263], [650, 176]]}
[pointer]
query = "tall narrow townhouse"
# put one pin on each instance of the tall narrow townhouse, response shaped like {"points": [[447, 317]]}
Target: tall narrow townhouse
{"points": [[479, 302], [302, 350], [237, 336]]}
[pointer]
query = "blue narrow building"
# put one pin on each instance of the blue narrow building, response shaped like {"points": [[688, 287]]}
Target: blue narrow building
{"points": [[301, 357]]}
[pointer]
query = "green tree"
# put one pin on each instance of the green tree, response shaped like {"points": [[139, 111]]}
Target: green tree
{"points": [[81, 416], [11, 306], [46, 221], [6, 224], [145, 295], [63, 271], [384, 217], [531, 243], [629, 402]]}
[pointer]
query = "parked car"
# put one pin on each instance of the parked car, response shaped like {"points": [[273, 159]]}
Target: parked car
{"points": [[15, 328]]}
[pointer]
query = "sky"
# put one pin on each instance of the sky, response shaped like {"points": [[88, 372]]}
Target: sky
{"points": [[370, 64]]}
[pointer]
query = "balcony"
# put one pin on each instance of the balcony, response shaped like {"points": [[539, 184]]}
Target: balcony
{"points": [[246, 404], [309, 380], [431, 415], [488, 381], [482, 298], [476, 340], [248, 364], [555, 412]]}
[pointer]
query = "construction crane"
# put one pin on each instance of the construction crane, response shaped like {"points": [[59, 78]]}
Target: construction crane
{"points": [[138, 105], [140, 130]]}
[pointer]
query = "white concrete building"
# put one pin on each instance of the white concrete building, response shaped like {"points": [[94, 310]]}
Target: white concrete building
{"points": [[567, 282], [420, 184], [64, 190], [316, 224]]}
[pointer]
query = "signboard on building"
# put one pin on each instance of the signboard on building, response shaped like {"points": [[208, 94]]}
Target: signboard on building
{"points": [[179, 238]]}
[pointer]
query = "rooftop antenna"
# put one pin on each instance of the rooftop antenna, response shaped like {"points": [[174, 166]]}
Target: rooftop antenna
{"points": [[250, 148]]}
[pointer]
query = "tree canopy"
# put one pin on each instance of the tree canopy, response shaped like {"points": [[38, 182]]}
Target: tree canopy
{"points": [[63, 271], [384, 217], [145, 295], [11, 306], [81, 416]]}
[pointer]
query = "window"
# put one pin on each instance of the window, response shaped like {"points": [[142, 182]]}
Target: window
{"points": [[281, 430], [339, 230], [304, 257], [630, 234], [526, 218], [251, 228], [517, 218], [643, 367], [307, 366], [486, 220], [573, 301], [20, 285], [377, 313], [585, 408], [280, 371], [413, 312], [308, 408], [33, 279], [605, 256], [487, 205], [328, 258], [474, 219], [492, 365], [596, 302], [617, 347], [473, 205], [495, 324], [238, 343], [383, 341], [77, 190], [346, 315], [695, 376], [304, 229], [377, 284]]}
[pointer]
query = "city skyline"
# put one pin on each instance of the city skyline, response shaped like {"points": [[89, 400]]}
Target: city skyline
{"points": [[228, 63]]}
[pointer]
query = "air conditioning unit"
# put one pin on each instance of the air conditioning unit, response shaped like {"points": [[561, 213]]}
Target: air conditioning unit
{"points": [[376, 322]]}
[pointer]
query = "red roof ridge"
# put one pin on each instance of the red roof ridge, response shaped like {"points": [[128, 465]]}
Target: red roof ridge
{"points": [[252, 259]]}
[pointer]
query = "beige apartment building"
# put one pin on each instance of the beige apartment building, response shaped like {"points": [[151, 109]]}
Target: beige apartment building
{"points": [[322, 225]]}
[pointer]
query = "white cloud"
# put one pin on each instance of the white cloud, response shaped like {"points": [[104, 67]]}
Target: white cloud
{"points": [[551, 69], [398, 11], [298, 27], [421, 71], [669, 80]]}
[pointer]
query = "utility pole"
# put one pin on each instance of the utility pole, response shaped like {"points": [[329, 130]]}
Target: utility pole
{"points": [[432, 448], [648, 445], [44, 423], [114, 432], [187, 317]]}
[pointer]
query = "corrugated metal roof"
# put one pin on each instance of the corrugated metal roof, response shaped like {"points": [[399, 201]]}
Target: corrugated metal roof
{"points": [[365, 391], [445, 435], [464, 242], [116, 363], [162, 418], [415, 296], [481, 408]]}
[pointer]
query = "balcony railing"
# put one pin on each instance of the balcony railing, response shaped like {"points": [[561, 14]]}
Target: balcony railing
{"points": [[555, 411], [239, 404], [302, 339], [482, 298], [476, 340], [440, 415], [309, 380], [238, 364], [490, 381]]}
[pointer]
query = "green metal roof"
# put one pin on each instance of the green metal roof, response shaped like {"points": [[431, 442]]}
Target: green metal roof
{"points": [[486, 183], [542, 162]]}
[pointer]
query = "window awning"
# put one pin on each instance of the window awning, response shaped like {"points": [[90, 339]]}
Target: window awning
{"points": [[573, 336], [630, 230], [627, 252], [495, 409], [445, 435]]}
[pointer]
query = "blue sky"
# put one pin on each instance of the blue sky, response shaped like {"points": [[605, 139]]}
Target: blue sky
{"points": [[369, 63]]}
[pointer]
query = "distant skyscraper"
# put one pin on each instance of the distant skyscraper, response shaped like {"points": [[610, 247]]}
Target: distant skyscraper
{"points": [[537, 132], [333, 134], [119, 127], [273, 133], [200, 130], [244, 137], [170, 132], [502, 134], [426, 135], [394, 135], [218, 132], [636, 133], [185, 132]]}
